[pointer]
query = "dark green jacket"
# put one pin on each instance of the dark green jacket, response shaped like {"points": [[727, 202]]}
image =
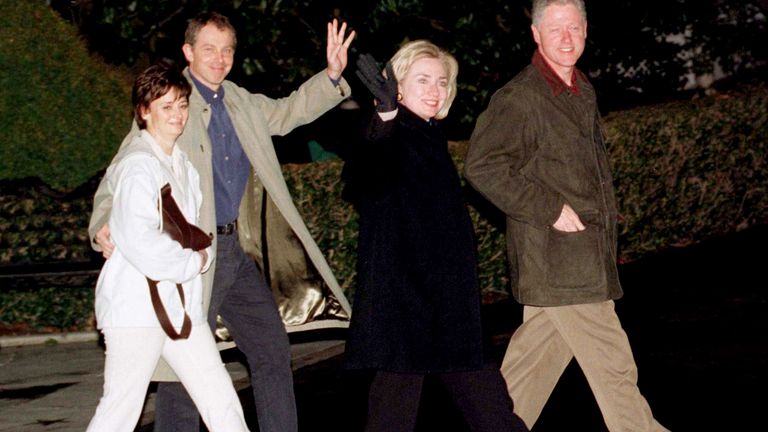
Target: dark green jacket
{"points": [[531, 152]]}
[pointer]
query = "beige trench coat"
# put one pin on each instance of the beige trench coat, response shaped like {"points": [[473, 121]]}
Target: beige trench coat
{"points": [[306, 291]]}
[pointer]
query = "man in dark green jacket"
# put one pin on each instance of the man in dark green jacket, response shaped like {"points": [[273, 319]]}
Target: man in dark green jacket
{"points": [[537, 153]]}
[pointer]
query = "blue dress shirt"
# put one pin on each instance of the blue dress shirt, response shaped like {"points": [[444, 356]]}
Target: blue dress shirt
{"points": [[231, 167]]}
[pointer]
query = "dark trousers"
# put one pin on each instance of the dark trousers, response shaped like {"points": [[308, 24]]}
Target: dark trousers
{"points": [[480, 396], [248, 309]]}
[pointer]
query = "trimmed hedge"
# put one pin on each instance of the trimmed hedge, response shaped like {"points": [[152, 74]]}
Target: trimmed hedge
{"points": [[38, 225], [47, 309], [684, 171], [63, 112]]}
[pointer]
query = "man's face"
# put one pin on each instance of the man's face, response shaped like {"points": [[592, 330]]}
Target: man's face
{"points": [[210, 58], [561, 35]]}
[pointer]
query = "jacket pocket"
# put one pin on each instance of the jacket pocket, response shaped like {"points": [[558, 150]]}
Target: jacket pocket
{"points": [[575, 259]]}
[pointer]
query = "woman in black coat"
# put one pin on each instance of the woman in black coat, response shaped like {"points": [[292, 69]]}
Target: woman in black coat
{"points": [[417, 302]]}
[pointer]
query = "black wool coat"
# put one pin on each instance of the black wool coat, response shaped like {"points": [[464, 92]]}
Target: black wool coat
{"points": [[417, 300]]}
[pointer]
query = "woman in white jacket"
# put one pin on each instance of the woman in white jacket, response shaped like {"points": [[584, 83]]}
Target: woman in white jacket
{"points": [[124, 313]]}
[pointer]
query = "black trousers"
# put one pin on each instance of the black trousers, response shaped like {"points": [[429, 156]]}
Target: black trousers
{"points": [[480, 396], [247, 306]]}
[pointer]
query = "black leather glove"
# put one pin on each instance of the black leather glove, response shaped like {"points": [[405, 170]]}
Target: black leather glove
{"points": [[384, 89]]}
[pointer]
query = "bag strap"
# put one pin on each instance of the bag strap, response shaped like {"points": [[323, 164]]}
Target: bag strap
{"points": [[162, 316]]}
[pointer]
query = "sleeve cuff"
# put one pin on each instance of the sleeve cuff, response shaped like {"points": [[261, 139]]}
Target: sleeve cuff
{"points": [[337, 84]]}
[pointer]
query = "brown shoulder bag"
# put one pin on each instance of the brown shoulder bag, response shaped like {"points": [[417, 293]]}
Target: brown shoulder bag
{"points": [[190, 237]]}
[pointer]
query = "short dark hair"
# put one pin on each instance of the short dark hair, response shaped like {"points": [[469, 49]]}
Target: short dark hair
{"points": [[153, 83], [195, 24]]}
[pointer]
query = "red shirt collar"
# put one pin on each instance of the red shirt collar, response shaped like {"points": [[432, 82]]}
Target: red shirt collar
{"points": [[553, 80]]}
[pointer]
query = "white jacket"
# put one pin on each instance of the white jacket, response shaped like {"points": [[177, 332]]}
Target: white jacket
{"points": [[141, 248]]}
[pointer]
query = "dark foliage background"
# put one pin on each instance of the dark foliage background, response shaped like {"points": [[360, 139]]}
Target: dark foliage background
{"points": [[638, 51], [59, 105]]}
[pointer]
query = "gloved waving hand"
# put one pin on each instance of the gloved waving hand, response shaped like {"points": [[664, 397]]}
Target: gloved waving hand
{"points": [[383, 88]]}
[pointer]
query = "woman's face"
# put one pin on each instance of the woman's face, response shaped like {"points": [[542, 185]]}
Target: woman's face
{"points": [[425, 87], [166, 116]]}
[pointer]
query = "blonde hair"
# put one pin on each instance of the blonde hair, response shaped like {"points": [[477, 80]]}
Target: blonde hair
{"points": [[407, 55]]}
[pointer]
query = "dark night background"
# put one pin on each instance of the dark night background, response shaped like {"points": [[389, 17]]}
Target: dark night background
{"points": [[638, 52], [696, 316]]}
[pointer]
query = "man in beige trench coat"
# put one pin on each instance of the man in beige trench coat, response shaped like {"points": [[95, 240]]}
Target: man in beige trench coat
{"points": [[256, 226]]}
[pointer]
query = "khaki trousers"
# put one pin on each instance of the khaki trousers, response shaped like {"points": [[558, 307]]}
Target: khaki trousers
{"points": [[547, 340]]}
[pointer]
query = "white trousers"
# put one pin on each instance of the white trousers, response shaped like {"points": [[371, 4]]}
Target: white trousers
{"points": [[550, 337], [131, 357]]}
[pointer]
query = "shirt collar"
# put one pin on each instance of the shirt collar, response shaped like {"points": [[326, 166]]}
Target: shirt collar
{"points": [[556, 85], [159, 152], [209, 96]]}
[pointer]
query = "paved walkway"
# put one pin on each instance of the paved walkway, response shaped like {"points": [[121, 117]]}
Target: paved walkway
{"points": [[56, 386]]}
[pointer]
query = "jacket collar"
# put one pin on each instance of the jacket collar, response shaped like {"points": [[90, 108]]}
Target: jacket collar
{"points": [[209, 96], [431, 129], [409, 117], [556, 85]]}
